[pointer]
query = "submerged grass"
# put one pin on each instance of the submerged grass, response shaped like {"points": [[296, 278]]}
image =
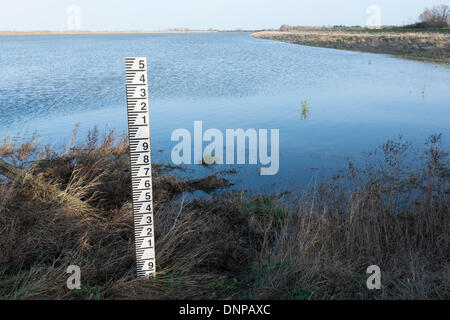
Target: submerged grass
{"points": [[392, 212]]}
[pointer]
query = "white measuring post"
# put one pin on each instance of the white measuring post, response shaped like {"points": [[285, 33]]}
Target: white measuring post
{"points": [[141, 164]]}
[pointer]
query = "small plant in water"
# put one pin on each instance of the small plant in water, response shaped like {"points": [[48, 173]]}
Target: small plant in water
{"points": [[305, 110]]}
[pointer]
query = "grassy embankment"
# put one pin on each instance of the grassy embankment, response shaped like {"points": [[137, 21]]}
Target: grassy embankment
{"points": [[234, 245], [430, 45]]}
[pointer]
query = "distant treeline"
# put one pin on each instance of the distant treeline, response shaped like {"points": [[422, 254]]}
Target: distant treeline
{"points": [[436, 17]]}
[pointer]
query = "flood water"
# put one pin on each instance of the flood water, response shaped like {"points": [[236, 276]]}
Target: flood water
{"points": [[227, 80]]}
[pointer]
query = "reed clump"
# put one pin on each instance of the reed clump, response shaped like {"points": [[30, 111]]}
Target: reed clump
{"points": [[392, 212]]}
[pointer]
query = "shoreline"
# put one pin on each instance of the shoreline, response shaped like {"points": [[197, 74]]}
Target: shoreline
{"points": [[76, 207], [39, 33], [426, 47]]}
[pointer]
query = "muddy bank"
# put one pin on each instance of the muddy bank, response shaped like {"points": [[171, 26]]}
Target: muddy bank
{"points": [[433, 47]]}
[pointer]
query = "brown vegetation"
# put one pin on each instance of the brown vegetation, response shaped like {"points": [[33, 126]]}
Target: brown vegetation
{"points": [[436, 17], [233, 245], [414, 45]]}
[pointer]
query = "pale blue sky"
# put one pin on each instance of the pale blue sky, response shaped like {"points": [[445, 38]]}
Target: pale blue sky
{"points": [[202, 14]]}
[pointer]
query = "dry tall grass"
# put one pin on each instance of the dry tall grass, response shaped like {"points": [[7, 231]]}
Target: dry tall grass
{"points": [[414, 45], [316, 246]]}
